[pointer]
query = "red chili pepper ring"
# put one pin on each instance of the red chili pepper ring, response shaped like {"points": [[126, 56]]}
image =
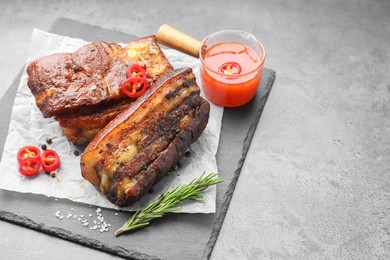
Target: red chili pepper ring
{"points": [[134, 87], [28, 152], [50, 161], [230, 68], [136, 71], [30, 166]]}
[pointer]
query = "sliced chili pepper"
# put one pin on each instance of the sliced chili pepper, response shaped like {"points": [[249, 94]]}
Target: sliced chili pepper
{"points": [[136, 71], [230, 68], [28, 152], [50, 161], [134, 87], [29, 166]]}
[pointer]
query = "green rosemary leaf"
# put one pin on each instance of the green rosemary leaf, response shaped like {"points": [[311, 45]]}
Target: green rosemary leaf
{"points": [[169, 201]]}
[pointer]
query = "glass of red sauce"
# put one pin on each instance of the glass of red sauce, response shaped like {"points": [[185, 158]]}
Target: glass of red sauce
{"points": [[231, 67]]}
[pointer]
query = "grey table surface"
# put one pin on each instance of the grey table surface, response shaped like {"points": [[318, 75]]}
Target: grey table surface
{"points": [[316, 181]]}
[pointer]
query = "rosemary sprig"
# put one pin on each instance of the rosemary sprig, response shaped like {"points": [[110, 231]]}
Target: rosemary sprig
{"points": [[168, 202]]}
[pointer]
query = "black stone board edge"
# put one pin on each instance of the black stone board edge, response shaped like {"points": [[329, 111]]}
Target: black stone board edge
{"points": [[67, 235], [232, 185]]}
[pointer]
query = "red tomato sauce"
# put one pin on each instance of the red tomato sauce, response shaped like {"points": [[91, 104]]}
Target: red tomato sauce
{"points": [[231, 74]]}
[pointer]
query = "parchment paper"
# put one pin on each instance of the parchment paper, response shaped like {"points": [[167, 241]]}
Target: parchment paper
{"points": [[28, 127]]}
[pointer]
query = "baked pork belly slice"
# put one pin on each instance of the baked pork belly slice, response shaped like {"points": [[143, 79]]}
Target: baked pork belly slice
{"points": [[81, 126], [93, 75], [138, 148]]}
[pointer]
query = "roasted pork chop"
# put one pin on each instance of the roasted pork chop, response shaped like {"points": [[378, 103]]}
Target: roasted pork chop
{"points": [[140, 146], [83, 89]]}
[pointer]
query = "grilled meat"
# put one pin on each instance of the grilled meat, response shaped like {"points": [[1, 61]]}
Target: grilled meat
{"points": [[139, 147], [92, 75], [81, 126], [82, 89]]}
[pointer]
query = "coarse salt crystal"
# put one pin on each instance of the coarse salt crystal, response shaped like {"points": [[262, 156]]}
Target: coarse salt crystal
{"points": [[58, 215], [99, 222]]}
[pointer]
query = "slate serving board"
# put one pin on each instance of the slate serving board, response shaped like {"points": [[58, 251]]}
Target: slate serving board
{"points": [[176, 236]]}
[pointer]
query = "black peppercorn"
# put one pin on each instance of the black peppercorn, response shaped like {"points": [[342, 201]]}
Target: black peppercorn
{"points": [[188, 154], [53, 174], [43, 147], [49, 140], [76, 152]]}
